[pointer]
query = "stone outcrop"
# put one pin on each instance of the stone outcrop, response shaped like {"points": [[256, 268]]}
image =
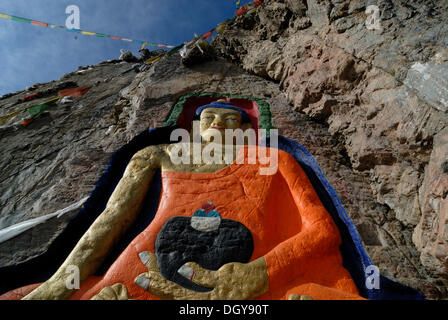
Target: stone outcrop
{"points": [[370, 105], [382, 92]]}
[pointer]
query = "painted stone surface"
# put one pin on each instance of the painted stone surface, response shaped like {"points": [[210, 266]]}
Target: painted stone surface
{"points": [[296, 238], [59, 158]]}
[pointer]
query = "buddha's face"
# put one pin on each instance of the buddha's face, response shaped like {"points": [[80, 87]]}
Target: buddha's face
{"points": [[220, 119]]}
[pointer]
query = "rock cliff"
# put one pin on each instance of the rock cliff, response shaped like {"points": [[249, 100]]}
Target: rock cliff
{"points": [[370, 105]]}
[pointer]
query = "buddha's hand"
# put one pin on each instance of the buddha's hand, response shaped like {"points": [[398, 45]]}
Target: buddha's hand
{"points": [[232, 281]]}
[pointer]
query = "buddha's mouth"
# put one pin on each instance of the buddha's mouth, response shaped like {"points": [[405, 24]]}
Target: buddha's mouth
{"points": [[219, 128]]}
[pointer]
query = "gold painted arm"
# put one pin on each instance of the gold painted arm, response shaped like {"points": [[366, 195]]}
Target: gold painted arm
{"points": [[121, 211]]}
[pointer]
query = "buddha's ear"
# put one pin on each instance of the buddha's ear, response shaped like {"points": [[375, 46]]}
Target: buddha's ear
{"points": [[246, 126]]}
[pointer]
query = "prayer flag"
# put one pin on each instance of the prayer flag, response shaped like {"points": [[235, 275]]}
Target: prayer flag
{"points": [[207, 35], [153, 59], [88, 33], [35, 96], [238, 3], [75, 92], [221, 27], [258, 3], [53, 99], [99, 35], [252, 11], [32, 96], [19, 19], [37, 110], [241, 11], [38, 23], [26, 122]]}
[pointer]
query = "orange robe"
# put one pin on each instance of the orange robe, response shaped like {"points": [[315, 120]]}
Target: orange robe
{"points": [[289, 225]]}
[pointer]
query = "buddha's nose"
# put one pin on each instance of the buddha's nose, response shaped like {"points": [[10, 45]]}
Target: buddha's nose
{"points": [[218, 122]]}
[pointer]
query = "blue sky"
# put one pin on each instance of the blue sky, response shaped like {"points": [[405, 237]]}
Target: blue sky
{"points": [[30, 54]]}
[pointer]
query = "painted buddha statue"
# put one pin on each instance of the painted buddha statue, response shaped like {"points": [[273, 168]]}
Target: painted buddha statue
{"points": [[221, 230]]}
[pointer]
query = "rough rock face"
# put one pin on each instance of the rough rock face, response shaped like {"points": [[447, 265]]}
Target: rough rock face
{"points": [[370, 105], [57, 159], [383, 94]]}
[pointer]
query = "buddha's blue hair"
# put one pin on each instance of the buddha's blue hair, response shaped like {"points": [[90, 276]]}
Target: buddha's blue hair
{"points": [[224, 105]]}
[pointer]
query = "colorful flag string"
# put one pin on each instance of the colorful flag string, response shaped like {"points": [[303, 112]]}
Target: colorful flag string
{"points": [[241, 12], [207, 35], [36, 110], [83, 32]]}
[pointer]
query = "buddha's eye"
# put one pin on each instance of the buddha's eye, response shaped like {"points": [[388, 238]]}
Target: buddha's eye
{"points": [[231, 119], [207, 117]]}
